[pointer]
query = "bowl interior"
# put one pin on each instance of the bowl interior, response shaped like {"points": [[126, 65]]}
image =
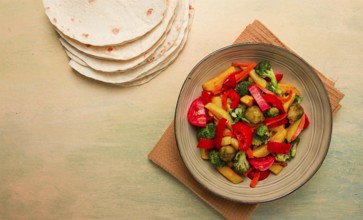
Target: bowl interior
{"points": [[314, 142]]}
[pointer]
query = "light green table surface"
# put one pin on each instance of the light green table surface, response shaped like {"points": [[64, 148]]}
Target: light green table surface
{"points": [[72, 148]]}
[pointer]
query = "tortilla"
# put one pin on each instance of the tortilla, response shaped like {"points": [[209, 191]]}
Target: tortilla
{"points": [[142, 47], [105, 22], [146, 72], [113, 65]]}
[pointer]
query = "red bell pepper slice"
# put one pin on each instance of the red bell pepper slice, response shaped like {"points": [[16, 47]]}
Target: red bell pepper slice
{"points": [[206, 96], [257, 95], [263, 163], [269, 121], [286, 99], [278, 76], [278, 123], [307, 121], [243, 134], [221, 126], [205, 143], [255, 179], [230, 81], [233, 95], [279, 148], [256, 176], [197, 114], [274, 101]]}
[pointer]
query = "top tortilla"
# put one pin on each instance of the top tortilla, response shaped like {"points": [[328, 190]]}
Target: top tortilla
{"points": [[105, 22], [138, 49]]}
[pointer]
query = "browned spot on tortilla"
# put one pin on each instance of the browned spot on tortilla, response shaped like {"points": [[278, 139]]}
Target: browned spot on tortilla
{"points": [[149, 11], [88, 45], [55, 20], [109, 49], [115, 30], [72, 19], [47, 8], [85, 35], [150, 59], [90, 1]]}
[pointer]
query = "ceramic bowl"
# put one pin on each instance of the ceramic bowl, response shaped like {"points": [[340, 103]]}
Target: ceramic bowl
{"points": [[314, 143]]}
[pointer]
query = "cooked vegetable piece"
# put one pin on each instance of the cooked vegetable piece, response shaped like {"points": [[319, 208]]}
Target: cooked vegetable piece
{"points": [[206, 96], [293, 150], [219, 112], [263, 163], [215, 159], [282, 157], [247, 100], [260, 136], [241, 164], [265, 70], [242, 88], [243, 134], [276, 168], [196, 114], [288, 103], [274, 101], [221, 126], [279, 136], [295, 129], [286, 87], [258, 79], [272, 112], [295, 112], [207, 132], [260, 151], [232, 176], [204, 154], [227, 153], [205, 143], [215, 84], [257, 95], [254, 115], [278, 147]]}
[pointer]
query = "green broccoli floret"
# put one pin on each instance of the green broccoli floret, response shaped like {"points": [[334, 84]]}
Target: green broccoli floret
{"points": [[298, 99], [260, 136], [215, 159], [242, 88], [241, 164], [282, 157], [207, 132], [265, 70], [262, 130], [272, 112]]}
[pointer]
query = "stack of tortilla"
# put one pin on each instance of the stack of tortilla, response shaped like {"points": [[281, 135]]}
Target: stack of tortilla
{"points": [[123, 42]]}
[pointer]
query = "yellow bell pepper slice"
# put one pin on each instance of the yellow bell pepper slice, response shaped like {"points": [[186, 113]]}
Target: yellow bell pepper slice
{"points": [[258, 79], [276, 168], [260, 151], [219, 113], [232, 176]]}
